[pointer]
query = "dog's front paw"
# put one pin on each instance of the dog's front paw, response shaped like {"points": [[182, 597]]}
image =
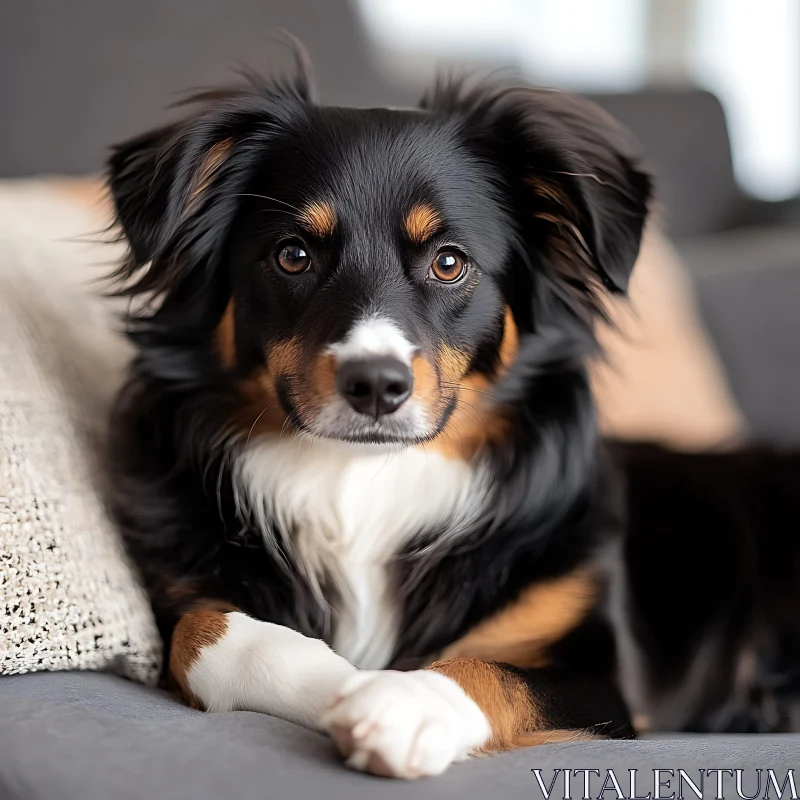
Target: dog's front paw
{"points": [[404, 724]]}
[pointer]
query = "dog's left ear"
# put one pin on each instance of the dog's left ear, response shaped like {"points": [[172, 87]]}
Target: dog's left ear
{"points": [[572, 171]]}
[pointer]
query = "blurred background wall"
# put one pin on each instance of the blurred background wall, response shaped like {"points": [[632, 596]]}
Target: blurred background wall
{"points": [[78, 74], [710, 87], [747, 53]]}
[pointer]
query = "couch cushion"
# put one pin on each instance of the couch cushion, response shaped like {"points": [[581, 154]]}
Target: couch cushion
{"points": [[684, 135], [748, 284], [81, 736], [660, 379]]}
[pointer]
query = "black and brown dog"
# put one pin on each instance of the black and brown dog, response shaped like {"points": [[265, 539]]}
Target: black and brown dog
{"points": [[359, 435]]}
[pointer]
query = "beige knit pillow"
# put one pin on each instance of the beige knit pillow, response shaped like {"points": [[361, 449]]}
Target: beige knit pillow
{"points": [[68, 596]]}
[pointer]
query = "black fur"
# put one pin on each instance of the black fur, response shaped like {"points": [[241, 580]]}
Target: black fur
{"points": [[549, 254], [712, 557]]}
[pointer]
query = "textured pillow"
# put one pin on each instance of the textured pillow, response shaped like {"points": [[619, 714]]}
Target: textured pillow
{"points": [[68, 596]]}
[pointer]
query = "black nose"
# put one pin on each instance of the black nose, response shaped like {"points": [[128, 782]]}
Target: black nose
{"points": [[375, 386]]}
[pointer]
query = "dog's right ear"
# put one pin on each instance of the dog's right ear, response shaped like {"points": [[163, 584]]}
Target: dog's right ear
{"points": [[177, 189], [174, 194], [141, 176]]}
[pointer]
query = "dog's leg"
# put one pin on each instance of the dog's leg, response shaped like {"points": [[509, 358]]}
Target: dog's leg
{"points": [[226, 661], [408, 724], [399, 724], [540, 670]]}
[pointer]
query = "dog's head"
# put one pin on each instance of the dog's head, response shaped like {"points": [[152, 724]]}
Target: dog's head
{"points": [[370, 276]]}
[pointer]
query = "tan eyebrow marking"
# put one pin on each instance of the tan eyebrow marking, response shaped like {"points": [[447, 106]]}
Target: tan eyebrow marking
{"points": [[422, 222], [320, 218]]}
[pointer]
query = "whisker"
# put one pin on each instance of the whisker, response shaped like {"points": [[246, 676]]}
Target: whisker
{"points": [[273, 210], [284, 427], [252, 427], [466, 388], [273, 199], [464, 404], [469, 405], [618, 189], [388, 456], [450, 441], [575, 175]]}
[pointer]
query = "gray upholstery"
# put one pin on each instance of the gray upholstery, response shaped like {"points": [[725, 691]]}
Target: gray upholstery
{"points": [[748, 285], [685, 141], [84, 736], [77, 76]]}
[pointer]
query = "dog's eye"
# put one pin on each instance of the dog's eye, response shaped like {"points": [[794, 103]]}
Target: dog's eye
{"points": [[447, 267], [293, 258]]}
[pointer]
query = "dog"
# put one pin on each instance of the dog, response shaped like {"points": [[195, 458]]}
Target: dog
{"points": [[356, 461]]}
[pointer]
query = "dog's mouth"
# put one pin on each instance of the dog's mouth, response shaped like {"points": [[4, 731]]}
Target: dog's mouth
{"points": [[374, 388], [337, 422], [367, 399], [338, 419]]}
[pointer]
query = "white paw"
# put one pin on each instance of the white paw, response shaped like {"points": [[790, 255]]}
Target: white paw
{"points": [[403, 724]]}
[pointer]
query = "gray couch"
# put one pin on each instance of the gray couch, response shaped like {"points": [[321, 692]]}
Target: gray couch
{"points": [[80, 736], [107, 71]]}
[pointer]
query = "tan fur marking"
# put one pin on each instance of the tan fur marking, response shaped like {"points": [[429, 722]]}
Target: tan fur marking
{"points": [[319, 218], [476, 419], [507, 703], [535, 738], [311, 384], [452, 364], [212, 161], [422, 222], [509, 346], [475, 422], [286, 357], [502, 696], [226, 337], [261, 411], [551, 191], [426, 384], [195, 631], [323, 378], [522, 633]]}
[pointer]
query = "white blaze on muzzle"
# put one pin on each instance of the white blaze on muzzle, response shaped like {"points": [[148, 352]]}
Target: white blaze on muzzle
{"points": [[374, 336]]}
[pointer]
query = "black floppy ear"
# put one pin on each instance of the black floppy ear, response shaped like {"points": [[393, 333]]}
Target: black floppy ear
{"points": [[175, 194], [177, 189], [159, 179], [574, 175]]}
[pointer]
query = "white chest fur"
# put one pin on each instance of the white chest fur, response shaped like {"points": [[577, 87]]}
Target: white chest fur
{"points": [[346, 514]]}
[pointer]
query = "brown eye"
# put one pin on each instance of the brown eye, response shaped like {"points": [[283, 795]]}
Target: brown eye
{"points": [[447, 267], [293, 258]]}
